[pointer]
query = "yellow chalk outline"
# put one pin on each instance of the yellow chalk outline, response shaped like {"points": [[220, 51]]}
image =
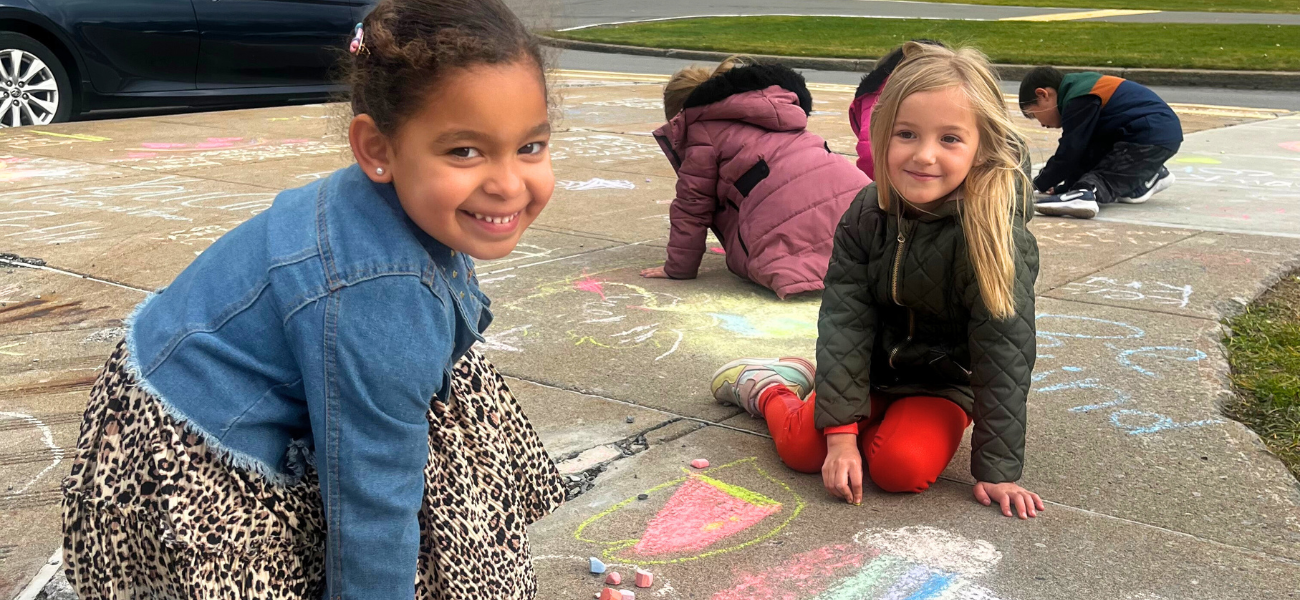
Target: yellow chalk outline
{"points": [[1087, 14], [614, 547]]}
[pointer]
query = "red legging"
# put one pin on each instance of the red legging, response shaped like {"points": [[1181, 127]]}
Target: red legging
{"points": [[904, 452]]}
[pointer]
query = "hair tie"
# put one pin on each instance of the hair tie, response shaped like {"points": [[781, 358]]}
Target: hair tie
{"points": [[358, 45]]}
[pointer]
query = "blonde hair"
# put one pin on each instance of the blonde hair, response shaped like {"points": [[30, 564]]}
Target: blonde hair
{"points": [[683, 82], [989, 192]]}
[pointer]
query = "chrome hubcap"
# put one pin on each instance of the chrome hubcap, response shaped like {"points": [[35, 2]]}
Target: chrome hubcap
{"points": [[29, 94]]}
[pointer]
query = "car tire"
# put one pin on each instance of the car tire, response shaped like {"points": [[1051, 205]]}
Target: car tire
{"points": [[41, 92]]}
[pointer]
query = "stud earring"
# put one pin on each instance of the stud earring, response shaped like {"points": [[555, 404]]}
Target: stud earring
{"points": [[379, 171]]}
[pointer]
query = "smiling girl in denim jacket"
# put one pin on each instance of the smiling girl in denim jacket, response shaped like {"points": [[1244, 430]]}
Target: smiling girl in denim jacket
{"points": [[300, 413]]}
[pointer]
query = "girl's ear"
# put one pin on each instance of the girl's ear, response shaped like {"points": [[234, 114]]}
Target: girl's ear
{"points": [[372, 149]]}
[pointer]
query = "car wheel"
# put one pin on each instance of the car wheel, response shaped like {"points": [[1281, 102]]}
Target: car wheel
{"points": [[34, 86]]}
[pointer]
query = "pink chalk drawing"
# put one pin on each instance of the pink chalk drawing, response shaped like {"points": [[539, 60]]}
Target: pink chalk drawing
{"points": [[803, 575], [707, 514], [213, 143], [587, 284], [1292, 146], [702, 512], [913, 563]]}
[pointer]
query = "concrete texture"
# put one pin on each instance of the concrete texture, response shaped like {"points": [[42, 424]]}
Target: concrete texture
{"points": [[1152, 492]]}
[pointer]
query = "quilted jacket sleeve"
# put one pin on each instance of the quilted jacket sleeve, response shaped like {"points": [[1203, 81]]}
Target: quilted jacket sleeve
{"points": [[846, 328], [691, 213], [1002, 363]]}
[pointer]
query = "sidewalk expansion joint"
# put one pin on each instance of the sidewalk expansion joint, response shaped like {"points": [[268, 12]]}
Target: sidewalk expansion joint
{"points": [[13, 260]]}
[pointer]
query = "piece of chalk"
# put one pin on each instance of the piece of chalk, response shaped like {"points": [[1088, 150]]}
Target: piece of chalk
{"points": [[700, 463], [631, 419], [597, 566], [628, 594], [644, 579], [610, 594], [614, 578]]}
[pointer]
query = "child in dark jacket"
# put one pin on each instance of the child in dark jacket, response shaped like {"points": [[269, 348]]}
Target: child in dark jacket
{"points": [[1117, 136], [927, 321], [748, 168]]}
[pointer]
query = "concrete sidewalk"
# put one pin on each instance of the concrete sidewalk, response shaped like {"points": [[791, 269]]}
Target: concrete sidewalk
{"points": [[1153, 494]]}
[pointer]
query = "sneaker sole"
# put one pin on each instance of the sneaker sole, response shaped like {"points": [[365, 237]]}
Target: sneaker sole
{"points": [[1161, 185], [1073, 208], [802, 365]]}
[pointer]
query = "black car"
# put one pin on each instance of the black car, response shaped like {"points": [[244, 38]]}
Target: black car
{"points": [[63, 58]]}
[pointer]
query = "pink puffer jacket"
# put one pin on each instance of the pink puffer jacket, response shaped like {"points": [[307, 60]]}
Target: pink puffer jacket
{"points": [[747, 168]]}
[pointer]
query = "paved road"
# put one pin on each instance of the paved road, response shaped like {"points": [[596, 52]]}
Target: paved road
{"points": [[595, 61], [573, 13]]}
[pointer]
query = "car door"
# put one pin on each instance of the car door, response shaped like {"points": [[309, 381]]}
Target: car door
{"points": [[132, 46], [272, 43]]}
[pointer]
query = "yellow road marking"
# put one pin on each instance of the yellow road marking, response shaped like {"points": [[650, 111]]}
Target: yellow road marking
{"points": [[76, 136], [1087, 14]]}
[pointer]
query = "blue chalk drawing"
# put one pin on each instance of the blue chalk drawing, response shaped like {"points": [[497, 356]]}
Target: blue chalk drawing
{"points": [[1158, 422], [1187, 355], [737, 324], [1071, 369]]}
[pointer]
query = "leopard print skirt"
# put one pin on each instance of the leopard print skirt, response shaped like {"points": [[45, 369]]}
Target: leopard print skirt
{"points": [[150, 511]]}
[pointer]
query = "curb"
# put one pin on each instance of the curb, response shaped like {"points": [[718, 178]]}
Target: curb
{"points": [[1241, 80]]}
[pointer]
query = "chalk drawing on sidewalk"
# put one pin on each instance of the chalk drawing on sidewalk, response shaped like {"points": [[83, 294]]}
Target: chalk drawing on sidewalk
{"points": [[637, 103], [1148, 361], [21, 168], [1292, 146], [216, 152], [603, 148], [1159, 293], [595, 183], [46, 440], [913, 563], [700, 515]]}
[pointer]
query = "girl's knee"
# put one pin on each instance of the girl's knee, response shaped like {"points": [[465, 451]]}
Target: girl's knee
{"points": [[902, 471]]}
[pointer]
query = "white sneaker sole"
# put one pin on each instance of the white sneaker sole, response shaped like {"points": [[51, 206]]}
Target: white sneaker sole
{"points": [[1160, 186], [1079, 209]]}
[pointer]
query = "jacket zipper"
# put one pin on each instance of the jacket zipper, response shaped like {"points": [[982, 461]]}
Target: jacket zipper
{"points": [[911, 317]]}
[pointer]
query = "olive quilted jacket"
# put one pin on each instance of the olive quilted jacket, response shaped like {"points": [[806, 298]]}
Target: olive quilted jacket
{"points": [[902, 316]]}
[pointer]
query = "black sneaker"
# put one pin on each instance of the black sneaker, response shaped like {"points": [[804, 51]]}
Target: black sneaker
{"points": [[1159, 183], [1080, 204]]}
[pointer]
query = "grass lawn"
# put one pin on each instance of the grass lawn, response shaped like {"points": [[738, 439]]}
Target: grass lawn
{"points": [[1267, 47], [1265, 355], [1256, 6]]}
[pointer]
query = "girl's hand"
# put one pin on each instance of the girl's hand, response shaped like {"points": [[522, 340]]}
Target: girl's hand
{"points": [[842, 471], [654, 273], [1007, 494]]}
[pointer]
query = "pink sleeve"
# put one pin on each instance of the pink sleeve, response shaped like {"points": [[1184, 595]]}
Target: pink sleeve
{"points": [[691, 213]]}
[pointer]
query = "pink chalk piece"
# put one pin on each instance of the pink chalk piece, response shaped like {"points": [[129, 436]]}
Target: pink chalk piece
{"points": [[628, 594], [700, 513], [700, 463], [614, 578], [644, 579], [610, 594], [718, 250]]}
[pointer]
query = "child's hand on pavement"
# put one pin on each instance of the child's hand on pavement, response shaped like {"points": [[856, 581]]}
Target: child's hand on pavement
{"points": [[842, 471], [654, 273], [1027, 504]]}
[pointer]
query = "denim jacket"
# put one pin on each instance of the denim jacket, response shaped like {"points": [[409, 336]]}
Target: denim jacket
{"points": [[319, 331]]}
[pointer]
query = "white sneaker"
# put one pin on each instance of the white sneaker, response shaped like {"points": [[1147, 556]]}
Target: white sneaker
{"points": [[1159, 183], [1080, 204]]}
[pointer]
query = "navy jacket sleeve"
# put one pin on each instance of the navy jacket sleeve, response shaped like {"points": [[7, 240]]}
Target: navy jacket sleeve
{"points": [[1078, 122], [378, 369]]}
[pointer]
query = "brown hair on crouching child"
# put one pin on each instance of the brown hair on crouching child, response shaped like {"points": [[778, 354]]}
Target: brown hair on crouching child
{"points": [[749, 171]]}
